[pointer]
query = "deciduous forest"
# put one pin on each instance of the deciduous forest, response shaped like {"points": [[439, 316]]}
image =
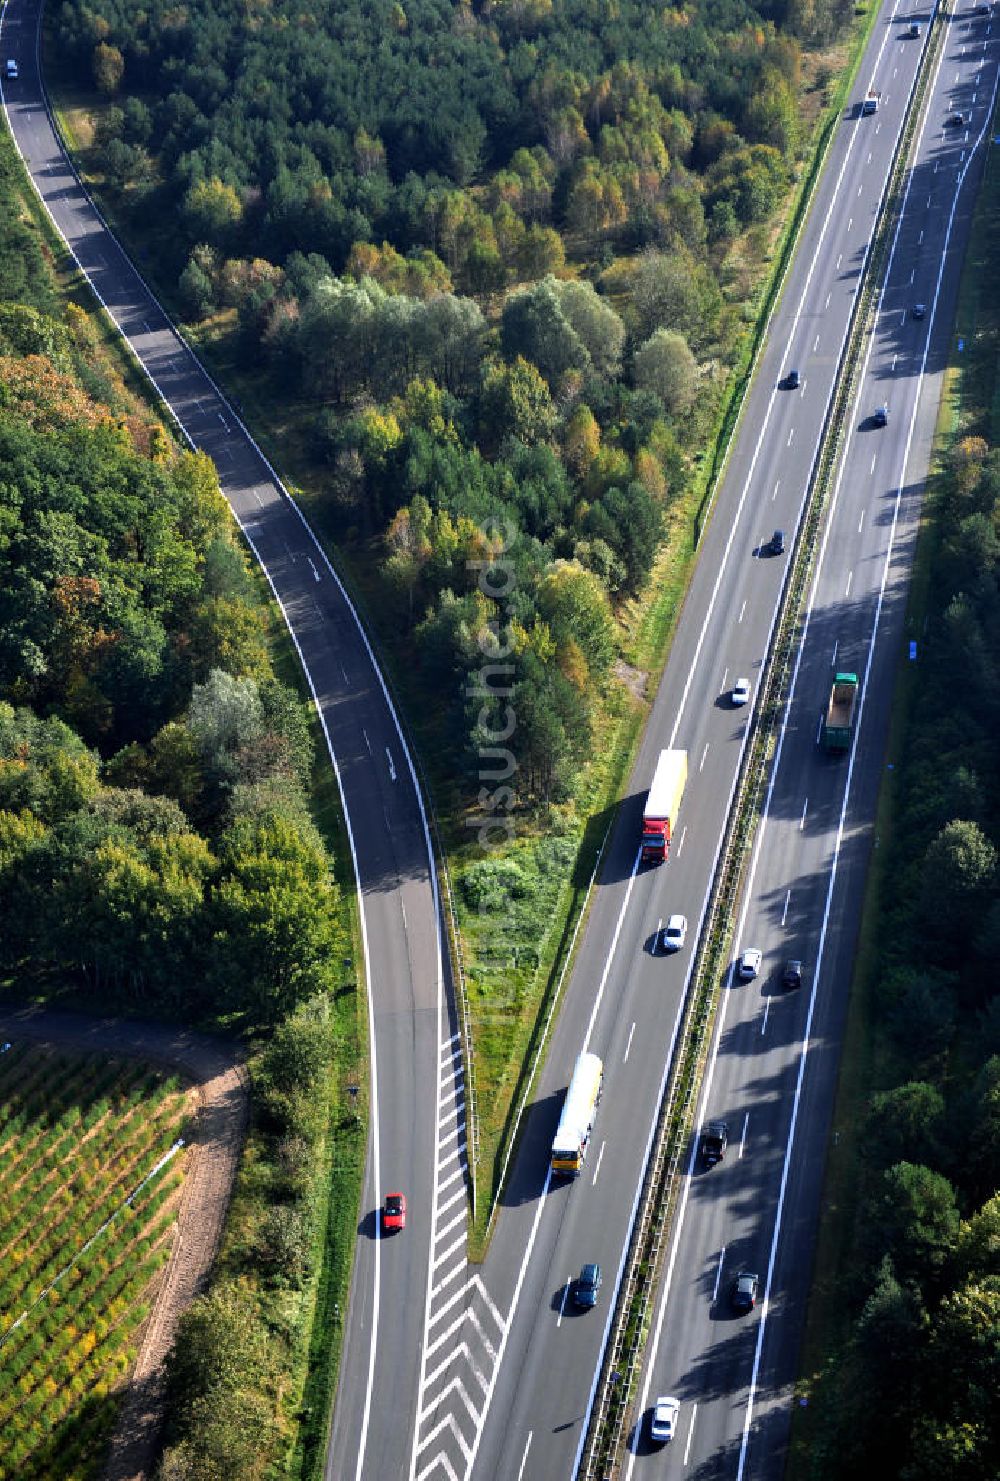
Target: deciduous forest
{"points": [[499, 254], [910, 1393], [158, 856]]}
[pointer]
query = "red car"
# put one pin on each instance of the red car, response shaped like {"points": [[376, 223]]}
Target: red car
{"points": [[394, 1213]]}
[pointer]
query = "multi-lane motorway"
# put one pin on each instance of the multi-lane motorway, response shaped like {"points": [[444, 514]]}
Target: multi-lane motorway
{"points": [[772, 1071], [623, 1001], [453, 1372]]}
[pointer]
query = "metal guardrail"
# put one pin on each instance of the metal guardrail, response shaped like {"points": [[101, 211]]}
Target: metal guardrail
{"points": [[613, 1402]]}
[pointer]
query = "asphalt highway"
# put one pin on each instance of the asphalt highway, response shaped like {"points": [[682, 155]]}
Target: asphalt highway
{"points": [[416, 1112], [773, 1070], [623, 1001], [450, 1371]]}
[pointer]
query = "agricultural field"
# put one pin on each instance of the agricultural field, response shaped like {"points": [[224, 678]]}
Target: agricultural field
{"points": [[90, 1173]]}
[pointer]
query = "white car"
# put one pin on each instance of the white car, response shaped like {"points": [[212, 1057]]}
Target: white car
{"points": [[674, 933], [749, 963], [741, 691], [11, 69], [663, 1424]]}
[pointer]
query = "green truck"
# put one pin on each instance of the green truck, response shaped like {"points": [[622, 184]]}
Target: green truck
{"points": [[839, 722]]}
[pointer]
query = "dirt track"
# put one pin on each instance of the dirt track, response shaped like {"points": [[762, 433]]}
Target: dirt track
{"points": [[214, 1068]]}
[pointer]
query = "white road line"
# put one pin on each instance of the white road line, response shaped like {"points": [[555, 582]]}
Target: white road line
{"points": [[861, 522], [312, 564], [718, 1274], [628, 1046], [920, 240], [894, 358], [742, 610], [442, 1309], [802, 820], [833, 660], [597, 1169], [847, 588], [784, 913], [767, 1009], [487, 1302], [524, 1457], [701, 764], [850, 223], [367, 741], [869, 156], [839, 261], [722, 686], [680, 844], [815, 344], [562, 1303], [819, 728], [743, 1138], [828, 297], [687, 1447], [874, 459], [392, 764], [860, 189], [791, 434]]}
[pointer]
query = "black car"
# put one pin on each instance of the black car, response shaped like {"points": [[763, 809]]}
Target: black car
{"points": [[880, 416], [919, 310], [792, 975], [792, 381], [714, 1141], [956, 119], [776, 544], [587, 1286], [743, 1292]]}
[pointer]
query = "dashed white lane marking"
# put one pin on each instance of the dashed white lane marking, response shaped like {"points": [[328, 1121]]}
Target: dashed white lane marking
{"points": [[718, 1274], [850, 578], [802, 820], [600, 1158], [743, 1138], [682, 838], [861, 522], [784, 913], [703, 755], [687, 1447], [524, 1457], [791, 434], [628, 1046], [392, 764], [767, 1009]]}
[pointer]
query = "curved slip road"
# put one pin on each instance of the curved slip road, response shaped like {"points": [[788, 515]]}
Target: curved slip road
{"points": [[417, 1140]]}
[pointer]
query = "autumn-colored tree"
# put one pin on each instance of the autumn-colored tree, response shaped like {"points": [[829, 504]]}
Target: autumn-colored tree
{"points": [[108, 68]]}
